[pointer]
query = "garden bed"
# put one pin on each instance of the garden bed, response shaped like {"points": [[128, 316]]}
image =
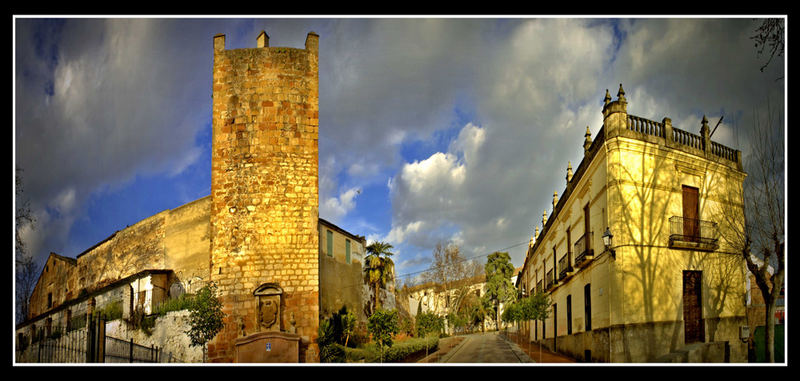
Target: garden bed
{"points": [[409, 350]]}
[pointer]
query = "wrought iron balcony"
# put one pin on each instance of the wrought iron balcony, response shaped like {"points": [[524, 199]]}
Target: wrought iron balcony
{"points": [[565, 268], [539, 286], [550, 281], [583, 248], [694, 234]]}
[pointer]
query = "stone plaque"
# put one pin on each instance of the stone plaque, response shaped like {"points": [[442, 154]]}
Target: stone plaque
{"points": [[268, 304]]}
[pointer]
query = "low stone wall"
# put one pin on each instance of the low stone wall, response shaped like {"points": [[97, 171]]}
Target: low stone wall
{"points": [[168, 334]]}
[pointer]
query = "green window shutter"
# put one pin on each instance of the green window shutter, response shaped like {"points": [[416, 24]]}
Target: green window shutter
{"points": [[330, 243], [347, 250]]}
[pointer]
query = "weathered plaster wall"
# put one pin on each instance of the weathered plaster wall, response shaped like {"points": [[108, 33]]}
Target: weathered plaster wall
{"points": [[187, 243], [168, 334], [131, 250], [58, 280], [341, 283]]}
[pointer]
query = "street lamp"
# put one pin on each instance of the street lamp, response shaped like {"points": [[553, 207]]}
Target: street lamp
{"points": [[608, 240]]}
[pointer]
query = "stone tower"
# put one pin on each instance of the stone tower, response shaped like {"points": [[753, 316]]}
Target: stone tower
{"points": [[265, 189]]}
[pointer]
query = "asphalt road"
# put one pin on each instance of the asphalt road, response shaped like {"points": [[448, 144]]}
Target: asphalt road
{"points": [[486, 348]]}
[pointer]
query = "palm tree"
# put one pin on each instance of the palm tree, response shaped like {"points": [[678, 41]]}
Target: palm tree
{"points": [[379, 268]]}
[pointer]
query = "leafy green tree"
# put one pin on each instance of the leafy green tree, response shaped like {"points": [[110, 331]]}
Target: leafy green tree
{"points": [[379, 269], [477, 314], [428, 323], [535, 307], [383, 325], [205, 317], [499, 288]]}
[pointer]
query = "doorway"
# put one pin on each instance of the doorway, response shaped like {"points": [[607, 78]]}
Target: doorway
{"points": [[693, 325]]}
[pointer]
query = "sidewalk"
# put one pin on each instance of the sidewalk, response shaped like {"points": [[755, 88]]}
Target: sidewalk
{"points": [[532, 350]]}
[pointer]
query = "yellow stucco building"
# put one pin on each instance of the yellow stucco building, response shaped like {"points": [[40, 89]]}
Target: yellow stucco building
{"points": [[668, 287]]}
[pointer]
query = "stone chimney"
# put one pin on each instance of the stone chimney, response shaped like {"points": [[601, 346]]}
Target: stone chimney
{"points": [[219, 42], [262, 41], [312, 42]]}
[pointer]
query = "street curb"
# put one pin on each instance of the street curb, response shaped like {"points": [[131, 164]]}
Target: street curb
{"points": [[452, 351], [523, 357]]}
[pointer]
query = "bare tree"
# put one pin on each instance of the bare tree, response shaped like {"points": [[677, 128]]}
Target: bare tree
{"points": [[26, 269], [769, 35], [449, 273], [760, 236]]}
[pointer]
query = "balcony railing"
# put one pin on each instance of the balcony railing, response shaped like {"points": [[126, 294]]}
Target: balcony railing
{"points": [[565, 268], [690, 233], [539, 287], [583, 248], [550, 280]]}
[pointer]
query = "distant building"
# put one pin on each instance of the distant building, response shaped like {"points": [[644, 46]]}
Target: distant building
{"points": [[341, 258], [669, 278], [431, 297], [756, 308]]}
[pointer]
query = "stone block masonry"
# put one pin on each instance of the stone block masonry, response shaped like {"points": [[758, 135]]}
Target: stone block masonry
{"points": [[265, 188]]}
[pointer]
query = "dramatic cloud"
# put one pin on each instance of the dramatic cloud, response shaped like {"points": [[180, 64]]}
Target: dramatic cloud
{"points": [[430, 129], [99, 102]]}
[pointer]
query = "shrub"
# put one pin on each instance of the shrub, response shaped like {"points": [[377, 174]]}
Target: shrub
{"points": [[332, 353], [397, 353], [111, 311], [76, 322], [407, 348], [183, 302], [428, 323], [205, 317], [382, 325]]}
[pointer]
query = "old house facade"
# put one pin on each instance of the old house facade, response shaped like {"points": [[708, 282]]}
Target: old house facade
{"points": [[668, 278], [278, 267]]}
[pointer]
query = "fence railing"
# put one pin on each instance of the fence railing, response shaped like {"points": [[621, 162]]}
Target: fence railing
{"points": [[687, 138], [60, 346], [723, 152], [70, 344], [693, 232], [583, 249], [564, 267], [653, 128], [126, 351], [645, 126]]}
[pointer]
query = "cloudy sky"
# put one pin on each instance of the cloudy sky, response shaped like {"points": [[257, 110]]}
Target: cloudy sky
{"points": [[445, 129]]}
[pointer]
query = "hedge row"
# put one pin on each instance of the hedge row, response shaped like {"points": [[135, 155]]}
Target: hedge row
{"points": [[396, 353]]}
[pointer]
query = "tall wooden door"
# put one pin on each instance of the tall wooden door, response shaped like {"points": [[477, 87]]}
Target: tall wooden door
{"points": [[694, 328], [691, 227]]}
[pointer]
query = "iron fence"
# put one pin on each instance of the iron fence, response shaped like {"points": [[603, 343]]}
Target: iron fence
{"points": [[126, 351], [61, 345], [87, 344]]}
